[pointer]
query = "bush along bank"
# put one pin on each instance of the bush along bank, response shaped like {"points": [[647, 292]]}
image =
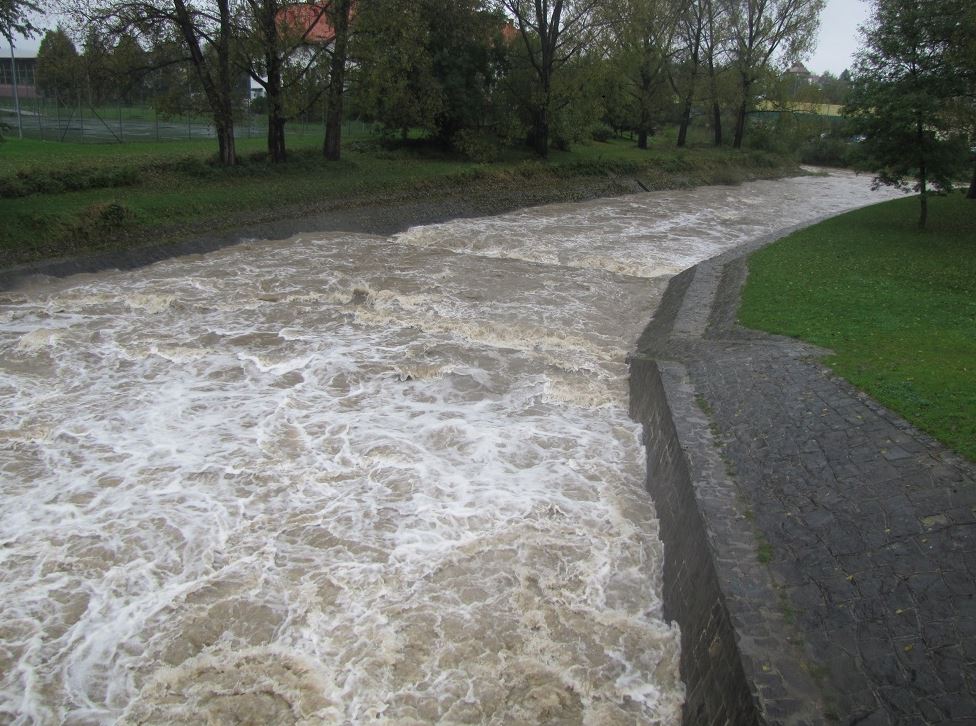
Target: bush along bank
{"points": [[91, 204]]}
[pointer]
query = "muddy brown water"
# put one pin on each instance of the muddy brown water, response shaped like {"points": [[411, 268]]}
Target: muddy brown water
{"points": [[344, 477]]}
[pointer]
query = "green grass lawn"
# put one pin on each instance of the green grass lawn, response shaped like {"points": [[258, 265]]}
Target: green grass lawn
{"points": [[60, 199], [895, 304]]}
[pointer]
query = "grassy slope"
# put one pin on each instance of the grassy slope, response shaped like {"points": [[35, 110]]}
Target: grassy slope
{"points": [[897, 305], [169, 190]]}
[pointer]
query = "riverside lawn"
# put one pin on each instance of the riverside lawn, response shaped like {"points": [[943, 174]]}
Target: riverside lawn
{"points": [[896, 305]]}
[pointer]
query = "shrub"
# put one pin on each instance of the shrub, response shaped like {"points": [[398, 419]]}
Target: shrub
{"points": [[71, 179], [602, 134], [476, 146], [102, 219], [825, 151]]}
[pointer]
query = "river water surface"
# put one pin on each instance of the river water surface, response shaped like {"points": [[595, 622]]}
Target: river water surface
{"points": [[342, 477]]}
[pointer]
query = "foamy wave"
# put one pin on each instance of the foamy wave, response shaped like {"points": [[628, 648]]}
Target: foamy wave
{"points": [[259, 686], [149, 303], [40, 339]]}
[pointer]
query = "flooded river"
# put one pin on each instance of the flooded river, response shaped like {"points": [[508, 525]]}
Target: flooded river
{"points": [[343, 478]]}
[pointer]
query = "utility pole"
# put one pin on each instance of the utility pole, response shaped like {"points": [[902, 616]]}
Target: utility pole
{"points": [[13, 77]]}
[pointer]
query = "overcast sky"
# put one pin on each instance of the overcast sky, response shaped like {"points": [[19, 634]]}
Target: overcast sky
{"points": [[839, 38], [835, 48]]}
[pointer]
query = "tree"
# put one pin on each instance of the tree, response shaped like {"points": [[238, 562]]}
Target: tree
{"points": [[205, 33], [265, 54], [964, 61], [717, 33], [129, 64], [15, 19], [97, 63], [903, 80], [644, 32], [693, 34], [284, 47], [430, 64], [553, 33], [761, 31], [340, 16], [395, 81], [59, 72], [835, 88]]}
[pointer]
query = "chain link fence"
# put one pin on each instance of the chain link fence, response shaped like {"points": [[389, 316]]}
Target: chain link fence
{"points": [[113, 123]]}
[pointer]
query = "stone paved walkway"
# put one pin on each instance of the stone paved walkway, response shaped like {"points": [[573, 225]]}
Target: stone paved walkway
{"points": [[869, 525]]}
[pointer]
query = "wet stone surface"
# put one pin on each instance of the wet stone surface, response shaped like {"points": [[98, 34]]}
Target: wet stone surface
{"points": [[870, 524]]}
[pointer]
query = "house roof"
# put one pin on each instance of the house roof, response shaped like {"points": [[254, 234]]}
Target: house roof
{"points": [[798, 69], [310, 22]]}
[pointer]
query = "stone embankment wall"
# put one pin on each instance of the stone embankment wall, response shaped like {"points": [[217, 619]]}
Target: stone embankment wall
{"points": [[740, 656]]}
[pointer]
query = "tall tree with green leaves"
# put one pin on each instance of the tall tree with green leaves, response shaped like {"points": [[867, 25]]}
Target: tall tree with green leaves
{"points": [[904, 80], [762, 32], [692, 38], [964, 59], [395, 82], [427, 64], [97, 64], [129, 65], [716, 37], [644, 35], [59, 72], [553, 33], [205, 32]]}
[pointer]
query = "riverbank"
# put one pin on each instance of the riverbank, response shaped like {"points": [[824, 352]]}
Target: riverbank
{"points": [[829, 527], [93, 212]]}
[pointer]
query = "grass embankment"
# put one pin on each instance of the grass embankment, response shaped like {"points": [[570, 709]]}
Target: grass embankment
{"points": [[895, 304], [61, 199]]}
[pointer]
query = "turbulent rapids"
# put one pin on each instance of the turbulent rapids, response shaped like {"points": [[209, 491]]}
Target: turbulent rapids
{"points": [[342, 478]]}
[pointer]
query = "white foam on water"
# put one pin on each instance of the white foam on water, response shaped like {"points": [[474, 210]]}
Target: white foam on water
{"points": [[343, 478]]}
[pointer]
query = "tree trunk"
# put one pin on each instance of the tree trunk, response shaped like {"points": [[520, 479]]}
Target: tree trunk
{"points": [[227, 145], [713, 88], [923, 216], [685, 120], [972, 185], [922, 177], [740, 118], [218, 91], [276, 133], [337, 73], [540, 134], [225, 122], [717, 122], [642, 138], [273, 89], [740, 125]]}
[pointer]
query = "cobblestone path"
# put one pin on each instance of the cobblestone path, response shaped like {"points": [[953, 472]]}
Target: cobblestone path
{"points": [[869, 526]]}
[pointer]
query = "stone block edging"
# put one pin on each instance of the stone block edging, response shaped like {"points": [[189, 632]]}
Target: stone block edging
{"points": [[742, 660]]}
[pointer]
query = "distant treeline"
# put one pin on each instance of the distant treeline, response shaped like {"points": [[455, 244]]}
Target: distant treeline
{"points": [[473, 75]]}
